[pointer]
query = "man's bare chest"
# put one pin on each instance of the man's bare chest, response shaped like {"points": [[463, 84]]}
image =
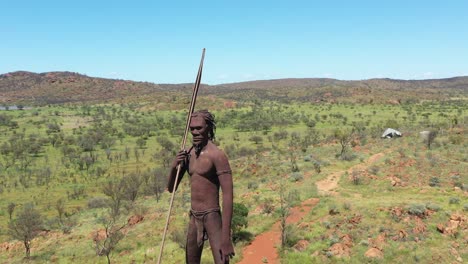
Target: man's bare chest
{"points": [[201, 166]]}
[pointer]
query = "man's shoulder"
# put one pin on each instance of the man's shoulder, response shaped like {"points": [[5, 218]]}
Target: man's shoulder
{"points": [[215, 150]]}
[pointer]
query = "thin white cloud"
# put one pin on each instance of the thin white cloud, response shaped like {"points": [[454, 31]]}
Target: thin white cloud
{"points": [[424, 75], [428, 74], [222, 76], [248, 76]]}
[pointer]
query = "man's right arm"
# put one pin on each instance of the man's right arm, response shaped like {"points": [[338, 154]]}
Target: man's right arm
{"points": [[180, 159]]}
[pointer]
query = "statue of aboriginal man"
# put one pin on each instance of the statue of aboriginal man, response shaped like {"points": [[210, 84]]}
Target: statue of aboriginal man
{"points": [[209, 169]]}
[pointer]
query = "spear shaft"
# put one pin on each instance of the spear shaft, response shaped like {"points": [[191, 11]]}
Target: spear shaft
{"points": [[182, 147]]}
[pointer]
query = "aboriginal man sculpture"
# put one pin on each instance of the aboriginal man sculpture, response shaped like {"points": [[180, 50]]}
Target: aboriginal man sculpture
{"points": [[209, 170]]}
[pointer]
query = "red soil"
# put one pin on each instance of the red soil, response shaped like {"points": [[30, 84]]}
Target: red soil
{"points": [[264, 246], [263, 249]]}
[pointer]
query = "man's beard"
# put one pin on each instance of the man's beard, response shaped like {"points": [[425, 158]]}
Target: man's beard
{"points": [[198, 147]]}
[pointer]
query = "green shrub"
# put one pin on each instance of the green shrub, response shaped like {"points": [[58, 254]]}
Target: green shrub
{"points": [[268, 207], [333, 209], [317, 163], [434, 182], [347, 206], [139, 209], [464, 187], [280, 135], [292, 236], [98, 202], [252, 185], [317, 166], [364, 243], [456, 139], [296, 176], [68, 224], [356, 177], [433, 207], [294, 196], [239, 221], [348, 156], [454, 200], [179, 236], [373, 170], [417, 209], [244, 151], [456, 181], [333, 240]]}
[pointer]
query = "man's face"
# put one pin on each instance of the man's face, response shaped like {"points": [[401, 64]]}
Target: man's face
{"points": [[199, 130]]}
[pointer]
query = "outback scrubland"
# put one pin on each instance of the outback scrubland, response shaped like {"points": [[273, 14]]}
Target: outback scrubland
{"points": [[85, 182]]}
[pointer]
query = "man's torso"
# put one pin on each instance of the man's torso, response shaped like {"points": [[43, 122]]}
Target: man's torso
{"points": [[203, 178]]}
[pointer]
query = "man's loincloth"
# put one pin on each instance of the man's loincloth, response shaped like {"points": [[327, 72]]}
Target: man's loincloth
{"points": [[200, 217]]}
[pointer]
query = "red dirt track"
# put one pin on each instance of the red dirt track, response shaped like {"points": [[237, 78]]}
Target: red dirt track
{"points": [[264, 246]]}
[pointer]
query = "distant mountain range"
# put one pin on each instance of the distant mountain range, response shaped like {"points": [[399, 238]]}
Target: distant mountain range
{"points": [[68, 87]]}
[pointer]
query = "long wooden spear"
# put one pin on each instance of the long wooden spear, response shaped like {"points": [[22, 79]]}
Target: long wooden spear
{"points": [[184, 141]]}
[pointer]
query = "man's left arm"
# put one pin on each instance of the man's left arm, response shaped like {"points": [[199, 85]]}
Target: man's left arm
{"points": [[223, 170]]}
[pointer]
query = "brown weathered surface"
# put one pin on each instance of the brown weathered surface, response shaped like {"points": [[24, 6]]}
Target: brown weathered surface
{"points": [[343, 248], [374, 253], [135, 219], [419, 226], [457, 221], [99, 235], [301, 245]]}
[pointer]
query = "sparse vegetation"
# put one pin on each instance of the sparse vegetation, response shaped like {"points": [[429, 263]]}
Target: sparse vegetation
{"points": [[82, 163]]}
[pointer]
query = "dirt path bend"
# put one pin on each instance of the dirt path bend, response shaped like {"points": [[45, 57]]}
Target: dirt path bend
{"points": [[264, 246], [263, 249], [328, 185]]}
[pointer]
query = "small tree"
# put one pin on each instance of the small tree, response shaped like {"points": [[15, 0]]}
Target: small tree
{"points": [[127, 152], [165, 156], [256, 139], [131, 186], [141, 142], [137, 154], [344, 137], [26, 226], [166, 144], [111, 220], [11, 208], [60, 207], [430, 138], [113, 235], [239, 220], [157, 182], [115, 191], [293, 161]]}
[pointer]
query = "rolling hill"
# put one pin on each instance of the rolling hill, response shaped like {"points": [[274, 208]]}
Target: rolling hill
{"points": [[69, 87]]}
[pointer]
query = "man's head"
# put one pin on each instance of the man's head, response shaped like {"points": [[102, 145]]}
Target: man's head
{"points": [[202, 127]]}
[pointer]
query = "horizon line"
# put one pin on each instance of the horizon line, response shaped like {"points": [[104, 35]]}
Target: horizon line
{"points": [[238, 82]]}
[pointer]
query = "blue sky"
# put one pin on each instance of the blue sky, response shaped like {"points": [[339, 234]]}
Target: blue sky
{"points": [[162, 41]]}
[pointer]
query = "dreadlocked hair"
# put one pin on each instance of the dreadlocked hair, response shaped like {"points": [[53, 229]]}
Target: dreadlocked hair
{"points": [[210, 122]]}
